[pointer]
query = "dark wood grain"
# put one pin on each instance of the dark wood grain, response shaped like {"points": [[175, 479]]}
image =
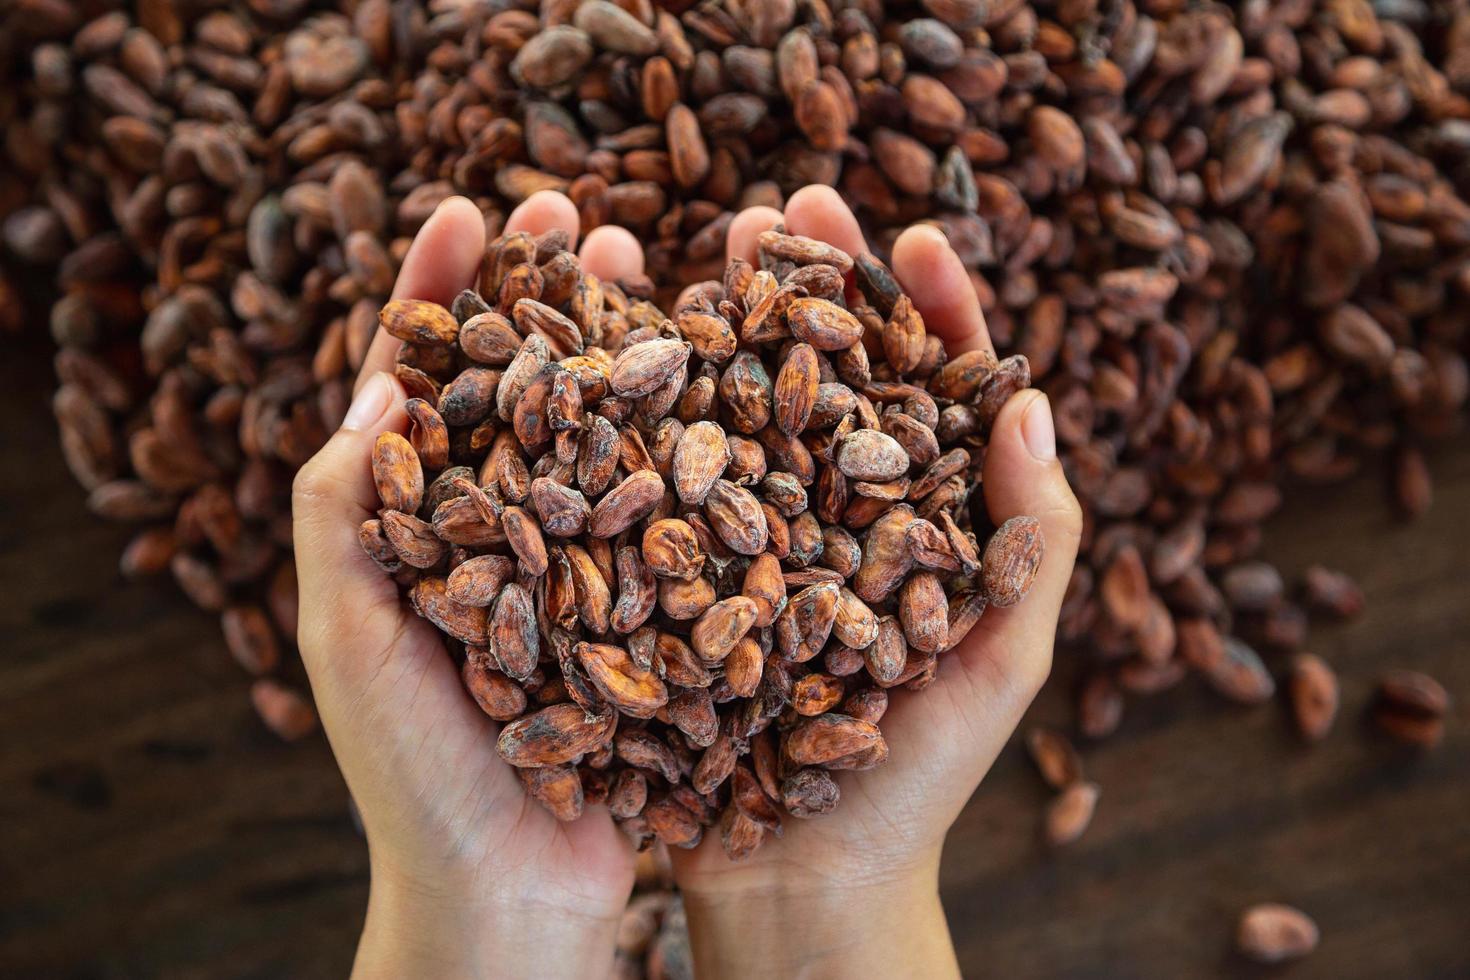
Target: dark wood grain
{"points": [[150, 826], [1207, 807]]}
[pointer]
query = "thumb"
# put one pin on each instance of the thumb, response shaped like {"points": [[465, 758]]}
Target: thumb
{"points": [[987, 681], [391, 699], [1008, 653], [330, 498]]}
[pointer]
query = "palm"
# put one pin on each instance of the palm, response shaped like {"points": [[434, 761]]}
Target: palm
{"points": [[888, 814], [442, 765], [942, 741], [415, 749]]}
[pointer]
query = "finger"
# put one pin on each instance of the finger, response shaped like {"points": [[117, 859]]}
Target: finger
{"points": [[987, 681], [611, 253], [545, 211], [443, 259], [1009, 650], [358, 642], [819, 212], [747, 226], [947, 738], [379, 674], [334, 493], [936, 280]]}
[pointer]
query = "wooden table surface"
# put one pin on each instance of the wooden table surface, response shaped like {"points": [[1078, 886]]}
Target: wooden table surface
{"points": [[150, 826]]}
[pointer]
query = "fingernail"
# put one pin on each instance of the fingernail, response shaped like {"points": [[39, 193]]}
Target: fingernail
{"points": [[1037, 430], [370, 403], [439, 209], [934, 233]]}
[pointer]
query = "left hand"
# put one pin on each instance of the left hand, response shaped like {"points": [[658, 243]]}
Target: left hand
{"points": [[856, 891], [470, 877]]}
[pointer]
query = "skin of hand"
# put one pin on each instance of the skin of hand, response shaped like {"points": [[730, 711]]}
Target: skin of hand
{"points": [[465, 867], [469, 876], [855, 892]]}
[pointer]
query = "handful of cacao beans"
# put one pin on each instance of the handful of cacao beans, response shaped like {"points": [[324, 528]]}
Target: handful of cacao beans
{"points": [[680, 553]]}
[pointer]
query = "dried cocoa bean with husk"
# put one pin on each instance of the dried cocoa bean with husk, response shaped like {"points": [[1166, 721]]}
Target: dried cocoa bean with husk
{"points": [[251, 639], [558, 788], [636, 591], [1332, 592], [512, 631], [627, 794], [417, 321], [744, 666], [1010, 376], [700, 458], [430, 599], [642, 368], [1069, 813], [795, 391], [682, 600], [822, 324], [855, 624], [428, 434], [1011, 560], [398, 474], [923, 612], [554, 735], [489, 338], [804, 625], [524, 536], [736, 516], [1312, 688], [671, 549], [886, 556], [809, 792], [965, 610], [1274, 933], [1410, 708], [496, 694], [872, 456], [1057, 760], [284, 711], [632, 499], [830, 737], [635, 691], [887, 656], [414, 541], [745, 389], [564, 512], [721, 626]]}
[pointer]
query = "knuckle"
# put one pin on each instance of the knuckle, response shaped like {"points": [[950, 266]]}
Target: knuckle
{"points": [[1033, 674], [312, 486], [1016, 677], [1066, 513]]}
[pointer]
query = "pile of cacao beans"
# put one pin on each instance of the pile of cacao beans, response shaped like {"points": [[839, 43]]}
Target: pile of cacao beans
{"points": [[779, 549], [1232, 241]]}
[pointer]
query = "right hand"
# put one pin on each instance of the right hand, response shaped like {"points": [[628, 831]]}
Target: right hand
{"points": [[470, 877]]}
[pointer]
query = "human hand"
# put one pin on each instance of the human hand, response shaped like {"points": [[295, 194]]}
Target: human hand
{"points": [[856, 890], [469, 875]]}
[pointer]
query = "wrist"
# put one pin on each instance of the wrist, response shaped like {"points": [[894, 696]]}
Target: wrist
{"points": [[849, 921], [815, 874], [413, 929]]}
